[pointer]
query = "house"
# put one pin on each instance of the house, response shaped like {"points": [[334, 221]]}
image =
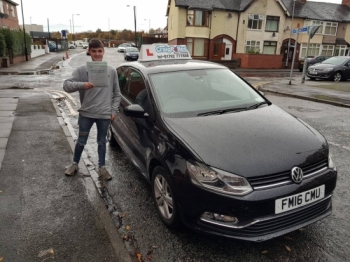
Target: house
{"points": [[8, 14], [257, 32]]}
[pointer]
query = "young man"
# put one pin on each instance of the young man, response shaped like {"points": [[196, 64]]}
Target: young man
{"points": [[98, 105]]}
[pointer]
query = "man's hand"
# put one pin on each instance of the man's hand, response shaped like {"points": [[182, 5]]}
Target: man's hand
{"points": [[112, 117], [88, 85]]}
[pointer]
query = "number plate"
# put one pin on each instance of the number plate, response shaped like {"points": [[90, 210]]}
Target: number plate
{"points": [[313, 73], [298, 200]]}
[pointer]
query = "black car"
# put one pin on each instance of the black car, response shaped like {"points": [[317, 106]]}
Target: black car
{"points": [[219, 156], [335, 68], [311, 61]]}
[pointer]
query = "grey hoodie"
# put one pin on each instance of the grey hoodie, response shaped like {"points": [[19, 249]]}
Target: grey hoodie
{"points": [[97, 102]]}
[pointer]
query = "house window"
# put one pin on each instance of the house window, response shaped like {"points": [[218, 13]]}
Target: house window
{"points": [[13, 11], [330, 28], [1, 7], [327, 50], [252, 47], [272, 23], [269, 47], [197, 18], [314, 49], [255, 21], [340, 50], [197, 46]]}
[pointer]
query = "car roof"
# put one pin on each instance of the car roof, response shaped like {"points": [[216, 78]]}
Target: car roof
{"points": [[153, 67]]}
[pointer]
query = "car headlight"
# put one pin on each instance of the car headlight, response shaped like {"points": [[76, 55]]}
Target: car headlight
{"points": [[327, 69], [331, 164], [218, 180]]}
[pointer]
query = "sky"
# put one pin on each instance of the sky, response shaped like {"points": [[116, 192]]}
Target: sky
{"points": [[94, 14], [101, 14]]}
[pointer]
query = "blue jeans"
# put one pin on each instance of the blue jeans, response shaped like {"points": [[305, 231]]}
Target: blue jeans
{"points": [[85, 124]]}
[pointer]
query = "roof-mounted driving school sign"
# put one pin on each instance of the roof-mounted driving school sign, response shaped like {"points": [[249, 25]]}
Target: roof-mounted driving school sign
{"points": [[163, 52]]}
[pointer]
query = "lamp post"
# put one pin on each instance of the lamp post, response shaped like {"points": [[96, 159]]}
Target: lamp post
{"points": [[149, 24], [290, 35], [73, 24], [24, 35], [134, 23]]}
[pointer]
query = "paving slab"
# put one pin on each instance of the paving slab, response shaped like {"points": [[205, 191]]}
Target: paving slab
{"points": [[3, 143], [4, 133], [7, 119]]}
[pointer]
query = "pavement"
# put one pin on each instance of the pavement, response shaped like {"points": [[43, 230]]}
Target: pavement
{"points": [[46, 215]]}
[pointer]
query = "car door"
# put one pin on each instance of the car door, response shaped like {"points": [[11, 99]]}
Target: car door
{"points": [[347, 70], [133, 130]]}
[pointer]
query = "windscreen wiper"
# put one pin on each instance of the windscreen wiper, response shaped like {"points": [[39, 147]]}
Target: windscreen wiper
{"points": [[222, 111], [256, 105]]}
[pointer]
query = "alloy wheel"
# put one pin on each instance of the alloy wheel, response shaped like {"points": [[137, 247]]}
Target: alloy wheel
{"points": [[337, 77], [163, 196]]}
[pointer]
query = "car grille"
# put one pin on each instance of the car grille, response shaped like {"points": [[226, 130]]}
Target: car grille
{"points": [[281, 222], [271, 180]]}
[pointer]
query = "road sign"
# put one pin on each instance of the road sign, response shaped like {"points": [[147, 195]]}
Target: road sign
{"points": [[299, 30]]}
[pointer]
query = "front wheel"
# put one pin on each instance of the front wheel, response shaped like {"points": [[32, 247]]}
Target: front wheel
{"points": [[111, 138], [164, 199], [337, 77]]}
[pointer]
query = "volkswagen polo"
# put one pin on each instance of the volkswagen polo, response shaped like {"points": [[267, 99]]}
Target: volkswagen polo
{"points": [[219, 156]]}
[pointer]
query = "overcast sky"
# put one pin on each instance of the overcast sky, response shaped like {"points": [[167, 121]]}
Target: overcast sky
{"points": [[103, 14]]}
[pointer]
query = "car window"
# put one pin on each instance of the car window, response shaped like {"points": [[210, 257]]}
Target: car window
{"points": [[134, 85], [122, 78], [132, 49], [191, 92]]}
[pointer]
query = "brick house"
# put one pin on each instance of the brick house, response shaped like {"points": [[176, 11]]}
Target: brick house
{"points": [[257, 31], [8, 14]]}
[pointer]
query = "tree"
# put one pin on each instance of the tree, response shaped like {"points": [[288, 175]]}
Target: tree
{"points": [[99, 31], [113, 32], [2, 45]]}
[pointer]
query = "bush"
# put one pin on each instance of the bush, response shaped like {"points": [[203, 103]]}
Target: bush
{"points": [[15, 41], [2, 45]]}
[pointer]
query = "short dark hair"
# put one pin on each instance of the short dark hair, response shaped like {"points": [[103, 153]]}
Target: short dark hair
{"points": [[95, 43]]}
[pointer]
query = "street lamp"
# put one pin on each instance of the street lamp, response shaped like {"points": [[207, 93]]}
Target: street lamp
{"points": [[24, 35], [134, 23], [290, 35], [149, 24], [73, 23]]}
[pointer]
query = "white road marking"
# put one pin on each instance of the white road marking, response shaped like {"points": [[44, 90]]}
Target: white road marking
{"points": [[68, 95], [341, 146]]}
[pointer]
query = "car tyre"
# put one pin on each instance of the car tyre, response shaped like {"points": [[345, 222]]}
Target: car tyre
{"points": [[164, 199], [111, 139], [312, 78], [337, 77]]}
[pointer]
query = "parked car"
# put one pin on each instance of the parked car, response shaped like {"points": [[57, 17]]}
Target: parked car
{"points": [[131, 53], [85, 45], [122, 47], [219, 156], [335, 68], [87, 51], [71, 46], [311, 61]]}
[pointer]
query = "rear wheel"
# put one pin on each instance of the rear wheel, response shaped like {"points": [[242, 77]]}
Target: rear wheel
{"points": [[111, 138], [337, 77], [164, 198], [312, 78]]}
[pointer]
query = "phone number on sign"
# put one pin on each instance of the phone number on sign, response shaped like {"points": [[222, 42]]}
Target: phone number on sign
{"points": [[173, 56]]}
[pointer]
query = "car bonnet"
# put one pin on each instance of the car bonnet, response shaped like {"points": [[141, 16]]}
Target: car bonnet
{"points": [[250, 143]]}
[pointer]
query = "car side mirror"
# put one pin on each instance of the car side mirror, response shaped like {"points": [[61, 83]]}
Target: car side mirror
{"points": [[135, 111]]}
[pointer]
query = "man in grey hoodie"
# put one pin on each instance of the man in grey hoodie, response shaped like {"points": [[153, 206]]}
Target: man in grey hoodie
{"points": [[98, 105]]}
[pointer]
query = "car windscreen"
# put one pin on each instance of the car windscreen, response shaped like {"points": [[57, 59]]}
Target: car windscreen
{"points": [[335, 60], [132, 49], [195, 92]]}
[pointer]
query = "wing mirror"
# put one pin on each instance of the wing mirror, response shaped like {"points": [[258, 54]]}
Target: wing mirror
{"points": [[135, 111]]}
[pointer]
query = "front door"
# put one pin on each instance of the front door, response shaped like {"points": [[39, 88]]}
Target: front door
{"points": [[228, 50]]}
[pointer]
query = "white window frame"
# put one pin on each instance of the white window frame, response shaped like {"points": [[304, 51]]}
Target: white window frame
{"points": [[13, 11], [341, 50], [258, 18], [327, 48], [2, 7], [323, 25], [253, 44], [314, 49], [269, 44]]}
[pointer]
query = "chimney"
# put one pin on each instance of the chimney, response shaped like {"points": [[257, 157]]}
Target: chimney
{"points": [[346, 2], [304, 1]]}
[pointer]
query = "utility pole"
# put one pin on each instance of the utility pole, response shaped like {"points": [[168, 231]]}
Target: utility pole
{"points": [[294, 53], [24, 35], [311, 31]]}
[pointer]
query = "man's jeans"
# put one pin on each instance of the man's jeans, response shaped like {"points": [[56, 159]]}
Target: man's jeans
{"points": [[85, 124]]}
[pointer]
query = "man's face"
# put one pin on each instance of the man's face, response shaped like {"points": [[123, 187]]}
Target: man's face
{"points": [[96, 53]]}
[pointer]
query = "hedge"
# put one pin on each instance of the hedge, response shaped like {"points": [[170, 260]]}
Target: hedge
{"points": [[2, 45], [14, 41]]}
